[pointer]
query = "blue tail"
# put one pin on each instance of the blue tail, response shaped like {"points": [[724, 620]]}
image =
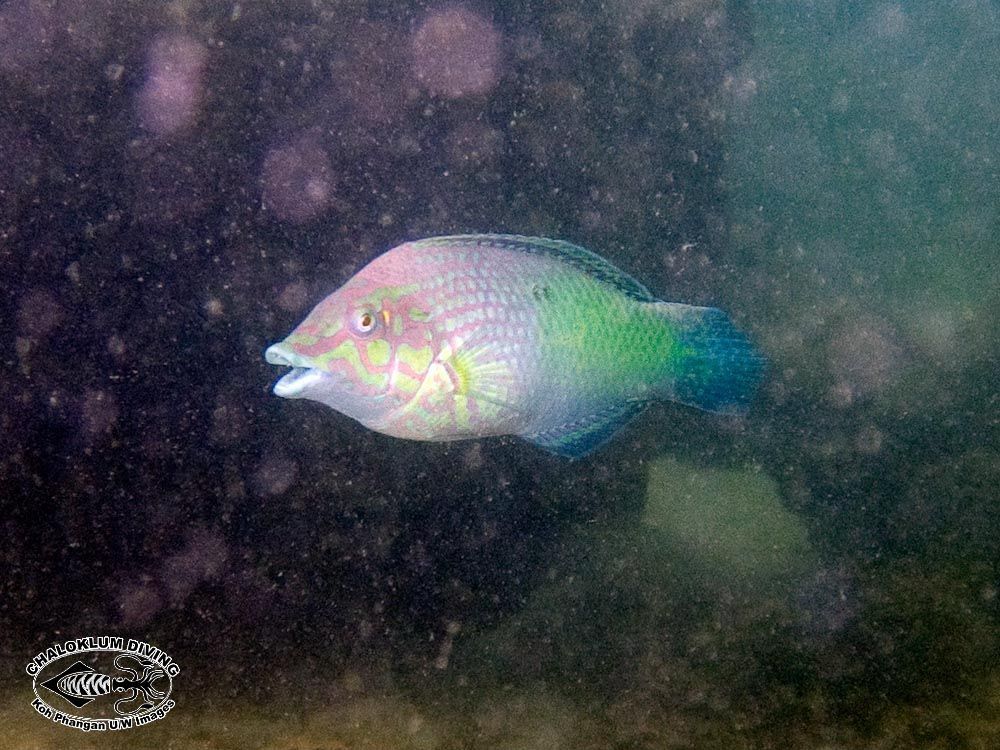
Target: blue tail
{"points": [[718, 369]]}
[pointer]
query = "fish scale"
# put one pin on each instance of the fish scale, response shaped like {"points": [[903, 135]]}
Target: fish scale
{"points": [[477, 335]]}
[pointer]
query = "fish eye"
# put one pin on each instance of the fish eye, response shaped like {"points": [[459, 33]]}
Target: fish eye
{"points": [[364, 321]]}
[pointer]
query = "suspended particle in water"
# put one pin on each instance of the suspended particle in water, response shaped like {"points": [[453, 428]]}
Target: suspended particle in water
{"points": [[865, 359], [213, 307], [138, 603], [202, 558], [171, 97], [98, 413], [294, 297], [456, 53], [275, 476], [297, 180], [116, 346], [38, 314]]}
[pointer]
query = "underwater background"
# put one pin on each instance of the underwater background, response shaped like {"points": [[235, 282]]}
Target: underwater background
{"points": [[181, 181]]}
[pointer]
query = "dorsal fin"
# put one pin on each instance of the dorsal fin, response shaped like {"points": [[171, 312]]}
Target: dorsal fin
{"points": [[580, 258]]}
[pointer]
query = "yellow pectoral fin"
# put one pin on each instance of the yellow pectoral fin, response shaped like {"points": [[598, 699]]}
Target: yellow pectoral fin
{"points": [[484, 384], [465, 393]]}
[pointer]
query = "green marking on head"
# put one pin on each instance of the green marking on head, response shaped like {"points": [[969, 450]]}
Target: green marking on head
{"points": [[332, 327], [379, 352], [297, 338], [404, 383], [418, 315], [387, 294], [347, 350], [419, 360]]}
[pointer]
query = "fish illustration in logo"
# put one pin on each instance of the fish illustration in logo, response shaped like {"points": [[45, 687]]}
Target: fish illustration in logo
{"points": [[474, 335], [79, 684]]}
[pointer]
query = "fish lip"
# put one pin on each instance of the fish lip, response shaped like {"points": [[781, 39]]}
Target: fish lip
{"points": [[292, 384], [313, 383], [282, 354], [302, 375]]}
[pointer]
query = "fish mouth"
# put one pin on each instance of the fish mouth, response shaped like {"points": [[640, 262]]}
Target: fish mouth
{"points": [[302, 377], [338, 391]]}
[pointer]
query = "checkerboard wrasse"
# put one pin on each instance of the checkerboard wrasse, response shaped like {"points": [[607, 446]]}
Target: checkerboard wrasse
{"points": [[468, 336]]}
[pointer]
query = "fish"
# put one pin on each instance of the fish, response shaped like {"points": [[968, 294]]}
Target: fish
{"points": [[477, 335]]}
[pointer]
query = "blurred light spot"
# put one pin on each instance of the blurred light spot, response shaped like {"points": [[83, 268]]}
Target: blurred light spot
{"points": [[38, 314], [883, 154], [99, 412], [114, 72], [937, 333], [456, 53], [275, 476], [733, 520], [741, 87], [229, 423], [203, 558], [138, 603], [214, 308], [840, 100], [116, 346], [869, 440], [73, 272], [170, 98], [294, 297], [864, 358], [472, 457], [22, 347], [889, 20], [57, 400], [452, 629], [528, 45], [297, 180]]}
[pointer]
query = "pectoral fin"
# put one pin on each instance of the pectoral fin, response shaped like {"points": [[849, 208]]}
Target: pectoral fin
{"points": [[483, 386]]}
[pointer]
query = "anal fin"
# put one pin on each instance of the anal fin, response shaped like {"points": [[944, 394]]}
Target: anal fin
{"points": [[581, 436]]}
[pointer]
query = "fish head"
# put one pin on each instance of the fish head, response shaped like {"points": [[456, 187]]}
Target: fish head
{"points": [[363, 351]]}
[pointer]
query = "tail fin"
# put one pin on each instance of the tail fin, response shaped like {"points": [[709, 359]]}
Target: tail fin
{"points": [[717, 369]]}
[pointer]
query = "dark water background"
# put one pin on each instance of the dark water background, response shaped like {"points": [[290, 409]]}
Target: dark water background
{"points": [[180, 182]]}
